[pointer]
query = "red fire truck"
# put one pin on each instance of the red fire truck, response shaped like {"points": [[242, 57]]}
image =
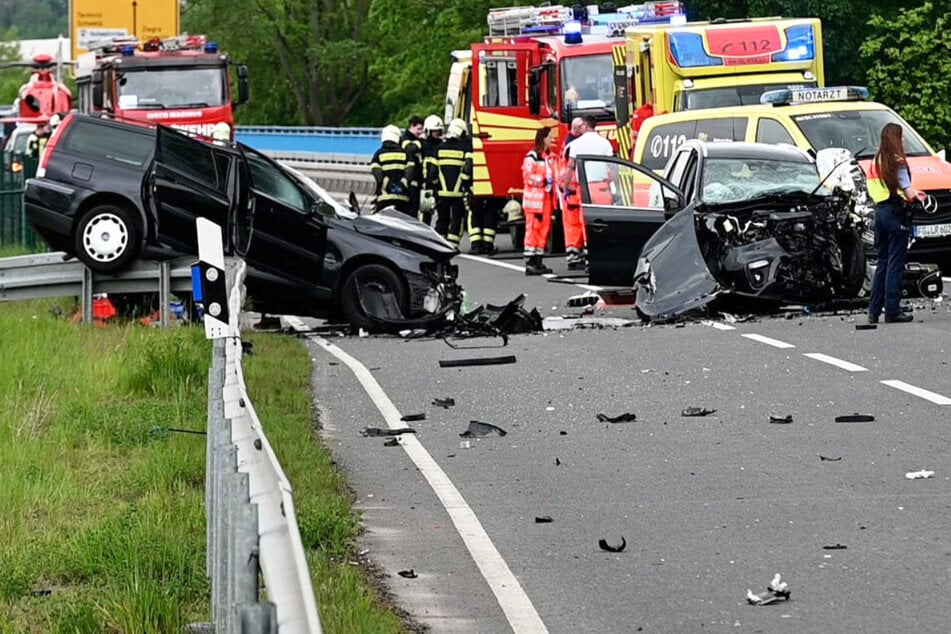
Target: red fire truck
{"points": [[183, 82], [539, 66]]}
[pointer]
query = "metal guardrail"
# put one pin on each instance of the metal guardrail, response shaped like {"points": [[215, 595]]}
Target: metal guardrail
{"points": [[44, 275], [251, 523]]}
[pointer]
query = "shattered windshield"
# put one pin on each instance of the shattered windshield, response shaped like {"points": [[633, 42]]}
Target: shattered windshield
{"points": [[732, 180], [858, 131], [588, 82], [172, 88]]}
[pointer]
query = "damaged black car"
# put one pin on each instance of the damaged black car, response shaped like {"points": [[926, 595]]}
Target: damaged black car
{"points": [[109, 192], [733, 221]]}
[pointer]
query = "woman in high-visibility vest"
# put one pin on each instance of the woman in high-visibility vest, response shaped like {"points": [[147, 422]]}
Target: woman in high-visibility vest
{"points": [[538, 200], [889, 185]]}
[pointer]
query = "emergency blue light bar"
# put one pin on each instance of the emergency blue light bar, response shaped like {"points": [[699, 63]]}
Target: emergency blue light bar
{"points": [[800, 44], [687, 51], [786, 96]]}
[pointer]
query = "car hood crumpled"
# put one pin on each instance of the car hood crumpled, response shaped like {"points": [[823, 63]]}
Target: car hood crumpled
{"points": [[390, 224]]}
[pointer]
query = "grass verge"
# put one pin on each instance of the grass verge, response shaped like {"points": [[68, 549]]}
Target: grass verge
{"points": [[102, 508]]}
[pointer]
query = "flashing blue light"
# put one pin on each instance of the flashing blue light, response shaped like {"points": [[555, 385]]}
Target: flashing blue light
{"points": [[128, 50], [211, 47], [687, 51], [800, 45], [572, 32]]}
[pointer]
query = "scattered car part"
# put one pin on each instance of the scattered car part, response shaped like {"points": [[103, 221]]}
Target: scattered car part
{"points": [[544, 519], [865, 326], [410, 418], [477, 428], [605, 546], [459, 363], [512, 318], [392, 442], [697, 411], [828, 459], [835, 547], [588, 298], [408, 574], [557, 462], [777, 590], [781, 419], [620, 418], [444, 403], [919, 475], [377, 431], [855, 418]]}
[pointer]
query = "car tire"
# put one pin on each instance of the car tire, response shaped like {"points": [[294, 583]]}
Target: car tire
{"points": [[107, 239], [383, 279]]}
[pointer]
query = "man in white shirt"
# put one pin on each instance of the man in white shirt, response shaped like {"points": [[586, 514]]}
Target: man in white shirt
{"points": [[592, 143]]}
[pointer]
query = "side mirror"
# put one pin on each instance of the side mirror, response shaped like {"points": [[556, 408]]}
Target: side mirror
{"points": [[243, 90], [535, 91], [622, 98]]}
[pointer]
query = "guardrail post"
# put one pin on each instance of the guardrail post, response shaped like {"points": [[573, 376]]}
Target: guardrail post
{"points": [[87, 295], [165, 293], [216, 413]]}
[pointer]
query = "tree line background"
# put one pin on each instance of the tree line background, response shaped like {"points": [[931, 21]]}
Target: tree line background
{"points": [[372, 62]]}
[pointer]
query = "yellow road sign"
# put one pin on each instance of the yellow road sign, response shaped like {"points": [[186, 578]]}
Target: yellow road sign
{"points": [[94, 20]]}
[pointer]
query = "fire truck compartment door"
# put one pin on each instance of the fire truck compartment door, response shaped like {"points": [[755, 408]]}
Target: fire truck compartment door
{"points": [[623, 205]]}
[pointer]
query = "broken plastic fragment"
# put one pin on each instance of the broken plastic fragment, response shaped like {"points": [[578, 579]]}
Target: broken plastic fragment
{"points": [[835, 547], [865, 326], [620, 418], [392, 442], [919, 475], [776, 590], [604, 545], [477, 428], [780, 419], [459, 363], [376, 431], [828, 459], [697, 411], [855, 418], [408, 574], [408, 418], [444, 403], [588, 298], [778, 586], [557, 462], [543, 519]]}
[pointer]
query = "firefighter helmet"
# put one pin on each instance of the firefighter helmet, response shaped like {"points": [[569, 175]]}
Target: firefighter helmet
{"points": [[432, 124], [457, 129], [513, 210], [390, 133]]}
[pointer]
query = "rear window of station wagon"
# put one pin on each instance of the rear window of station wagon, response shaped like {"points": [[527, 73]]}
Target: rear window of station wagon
{"points": [[109, 143]]}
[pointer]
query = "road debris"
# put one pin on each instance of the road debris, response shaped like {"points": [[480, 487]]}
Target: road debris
{"points": [[543, 519], [477, 428], [855, 418], [410, 418], [471, 361], [865, 326], [828, 459], [377, 431], [835, 547], [620, 418], [780, 419], [408, 574], [605, 546], [697, 411], [777, 590], [444, 403], [919, 475], [588, 298], [557, 462]]}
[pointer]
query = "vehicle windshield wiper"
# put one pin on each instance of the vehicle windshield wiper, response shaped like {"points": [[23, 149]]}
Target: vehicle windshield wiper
{"points": [[148, 106], [196, 104]]}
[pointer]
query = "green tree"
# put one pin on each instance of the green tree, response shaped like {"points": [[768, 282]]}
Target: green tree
{"points": [[35, 19], [309, 61], [909, 59]]}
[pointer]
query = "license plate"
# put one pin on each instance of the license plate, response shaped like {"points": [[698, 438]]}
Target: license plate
{"points": [[819, 94], [932, 231]]}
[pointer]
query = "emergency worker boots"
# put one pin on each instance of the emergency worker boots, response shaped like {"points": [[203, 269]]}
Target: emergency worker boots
{"points": [[535, 266]]}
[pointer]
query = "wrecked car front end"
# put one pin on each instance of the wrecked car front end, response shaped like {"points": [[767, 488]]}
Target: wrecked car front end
{"points": [[754, 234]]}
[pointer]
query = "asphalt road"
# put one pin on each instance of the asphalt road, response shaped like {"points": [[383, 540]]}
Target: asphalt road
{"points": [[709, 506]]}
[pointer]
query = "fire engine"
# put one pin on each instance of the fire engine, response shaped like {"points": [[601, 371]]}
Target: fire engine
{"points": [[183, 82], [42, 96], [539, 66], [694, 65]]}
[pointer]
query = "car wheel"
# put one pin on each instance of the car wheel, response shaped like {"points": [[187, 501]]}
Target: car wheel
{"points": [[107, 239], [377, 279]]}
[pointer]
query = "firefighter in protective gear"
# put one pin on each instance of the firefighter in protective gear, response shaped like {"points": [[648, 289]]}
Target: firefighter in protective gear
{"points": [[412, 142], [392, 171], [36, 142], [453, 182], [432, 139], [539, 199]]}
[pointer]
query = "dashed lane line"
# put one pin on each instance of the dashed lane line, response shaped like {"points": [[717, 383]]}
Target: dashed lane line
{"points": [[776, 343], [521, 269], [515, 603], [935, 398], [717, 325], [848, 366]]}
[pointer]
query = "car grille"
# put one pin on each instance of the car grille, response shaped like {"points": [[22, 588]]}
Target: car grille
{"points": [[942, 215]]}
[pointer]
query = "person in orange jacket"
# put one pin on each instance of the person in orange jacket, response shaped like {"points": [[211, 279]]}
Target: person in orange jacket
{"points": [[571, 218], [539, 198]]}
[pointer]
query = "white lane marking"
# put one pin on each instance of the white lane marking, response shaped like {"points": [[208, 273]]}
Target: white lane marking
{"points": [[521, 269], [718, 325], [776, 343], [513, 600], [848, 366], [935, 398]]}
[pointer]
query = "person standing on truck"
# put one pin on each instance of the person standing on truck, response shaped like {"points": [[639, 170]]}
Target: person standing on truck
{"points": [[392, 172], [571, 220], [888, 179], [432, 139], [539, 198], [412, 142], [453, 182]]}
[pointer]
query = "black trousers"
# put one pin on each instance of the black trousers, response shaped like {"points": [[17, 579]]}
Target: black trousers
{"points": [[450, 214]]}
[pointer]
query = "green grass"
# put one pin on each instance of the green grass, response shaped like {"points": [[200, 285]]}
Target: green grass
{"points": [[102, 510]]}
